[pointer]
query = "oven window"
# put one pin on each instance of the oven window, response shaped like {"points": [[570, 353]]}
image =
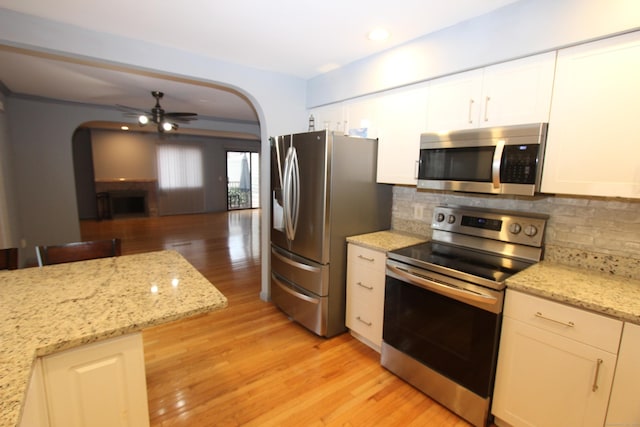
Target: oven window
{"points": [[455, 339], [457, 164]]}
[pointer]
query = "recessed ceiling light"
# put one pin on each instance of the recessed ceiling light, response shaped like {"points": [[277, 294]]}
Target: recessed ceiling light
{"points": [[124, 127], [378, 34]]}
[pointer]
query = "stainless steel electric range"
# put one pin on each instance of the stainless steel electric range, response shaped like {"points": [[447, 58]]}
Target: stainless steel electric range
{"points": [[443, 303]]}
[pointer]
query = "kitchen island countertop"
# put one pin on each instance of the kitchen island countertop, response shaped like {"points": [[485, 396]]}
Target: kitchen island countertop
{"points": [[57, 307], [603, 293], [385, 241]]}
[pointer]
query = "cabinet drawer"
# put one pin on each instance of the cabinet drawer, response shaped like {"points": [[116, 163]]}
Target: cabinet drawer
{"points": [[574, 323], [364, 314], [359, 256], [360, 277]]}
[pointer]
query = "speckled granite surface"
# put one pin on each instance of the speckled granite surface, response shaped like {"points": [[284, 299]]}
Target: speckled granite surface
{"points": [[386, 240], [603, 293], [45, 310], [605, 263]]}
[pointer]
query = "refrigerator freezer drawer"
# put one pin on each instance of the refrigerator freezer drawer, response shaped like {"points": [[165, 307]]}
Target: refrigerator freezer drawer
{"points": [[312, 277], [305, 308]]}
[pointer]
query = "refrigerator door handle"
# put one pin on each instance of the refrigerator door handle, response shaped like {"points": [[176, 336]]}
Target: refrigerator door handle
{"points": [[295, 264], [291, 197], [293, 292]]}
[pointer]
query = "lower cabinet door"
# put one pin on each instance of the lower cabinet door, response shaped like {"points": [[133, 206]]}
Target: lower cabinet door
{"points": [[98, 385], [624, 408], [544, 379]]}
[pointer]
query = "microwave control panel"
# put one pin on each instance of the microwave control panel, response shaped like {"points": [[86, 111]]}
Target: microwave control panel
{"points": [[519, 164]]}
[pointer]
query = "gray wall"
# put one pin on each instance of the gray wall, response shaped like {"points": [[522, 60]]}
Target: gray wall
{"points": [[132, 156], [40, 135], [9, 218]]}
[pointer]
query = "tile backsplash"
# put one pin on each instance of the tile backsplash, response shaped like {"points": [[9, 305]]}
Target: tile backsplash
{"points": [[600, 234]]}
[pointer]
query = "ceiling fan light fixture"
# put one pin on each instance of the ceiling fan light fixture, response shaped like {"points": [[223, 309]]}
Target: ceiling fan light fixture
{"points": [[143, 120], [166, 126]]}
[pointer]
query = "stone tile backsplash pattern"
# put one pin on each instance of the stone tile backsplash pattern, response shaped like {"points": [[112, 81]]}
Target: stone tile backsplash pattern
{"points": [[598, 234]]}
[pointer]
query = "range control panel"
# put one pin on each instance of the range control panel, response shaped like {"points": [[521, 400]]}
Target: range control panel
{"points": [[507, 226]]}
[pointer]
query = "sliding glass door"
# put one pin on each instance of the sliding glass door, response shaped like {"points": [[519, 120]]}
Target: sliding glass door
{"points": [[243, 184]]}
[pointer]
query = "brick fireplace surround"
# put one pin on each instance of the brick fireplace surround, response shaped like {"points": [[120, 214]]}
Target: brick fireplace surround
{"points": [[149, 187]]}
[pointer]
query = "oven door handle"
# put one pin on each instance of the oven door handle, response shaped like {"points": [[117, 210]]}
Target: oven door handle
{"points": [[442, 288]]}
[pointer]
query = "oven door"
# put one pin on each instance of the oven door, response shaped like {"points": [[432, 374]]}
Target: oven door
{"points": [[447, 328]]}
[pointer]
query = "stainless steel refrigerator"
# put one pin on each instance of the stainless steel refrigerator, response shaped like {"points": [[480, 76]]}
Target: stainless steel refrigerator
{"points": [[323, 188]]}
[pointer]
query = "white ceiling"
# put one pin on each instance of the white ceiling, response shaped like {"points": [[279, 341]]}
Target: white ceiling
{"points": [[301, 38]]}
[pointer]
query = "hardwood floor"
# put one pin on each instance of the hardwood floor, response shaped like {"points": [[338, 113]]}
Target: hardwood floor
{"points": [[248, 364]]}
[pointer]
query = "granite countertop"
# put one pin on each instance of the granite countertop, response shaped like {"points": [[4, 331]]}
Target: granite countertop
{"points": [[385, 241], [608, 294], [49, 309]]}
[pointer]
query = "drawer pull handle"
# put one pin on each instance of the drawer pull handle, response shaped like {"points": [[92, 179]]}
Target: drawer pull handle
{"points": [[568, 324], [362, 285], [366, 258], [363, 321], [595, 379]]}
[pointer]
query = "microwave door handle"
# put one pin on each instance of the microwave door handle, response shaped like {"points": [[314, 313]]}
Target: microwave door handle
{"points": [[495, 166]]}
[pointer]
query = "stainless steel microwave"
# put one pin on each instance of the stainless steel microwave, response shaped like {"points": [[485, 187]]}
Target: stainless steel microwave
{"points": [[505, 160]]}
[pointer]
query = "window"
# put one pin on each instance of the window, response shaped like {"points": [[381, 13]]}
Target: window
{"points": [[179, 167]]}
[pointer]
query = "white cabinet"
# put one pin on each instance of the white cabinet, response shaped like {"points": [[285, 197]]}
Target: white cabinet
{"points": [[365, 294], [99, 385], [453, 102], [593, 143], [34, 411], [555, 364], [401, 119], [396, 118], [624, 407], [514, 92]]}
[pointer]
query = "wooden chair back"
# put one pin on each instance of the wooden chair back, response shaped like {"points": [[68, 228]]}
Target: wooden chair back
{"points": [[78, 251], [8, 259]]}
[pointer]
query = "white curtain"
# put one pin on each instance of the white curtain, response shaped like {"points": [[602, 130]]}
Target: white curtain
{"points": [[180, 179]]}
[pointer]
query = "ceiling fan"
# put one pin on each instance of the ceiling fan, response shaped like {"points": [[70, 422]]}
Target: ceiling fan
{"points": [[166, 121]]}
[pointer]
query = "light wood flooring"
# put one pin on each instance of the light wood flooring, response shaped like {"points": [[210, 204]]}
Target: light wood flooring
{"points": [[248, 364]]}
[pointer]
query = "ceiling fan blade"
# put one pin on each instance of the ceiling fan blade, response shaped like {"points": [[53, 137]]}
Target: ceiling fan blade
{"points": [[184, 115], [180, 119], [128, 109]]}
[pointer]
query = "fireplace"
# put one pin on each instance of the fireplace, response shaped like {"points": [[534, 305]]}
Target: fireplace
{"points": [[127, 198], [128, 203]]}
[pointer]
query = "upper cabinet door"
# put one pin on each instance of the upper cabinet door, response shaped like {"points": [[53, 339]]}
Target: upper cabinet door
{"points": [[402, 118], [512, 93], [454, 102], [517, 92], [593, 143]]}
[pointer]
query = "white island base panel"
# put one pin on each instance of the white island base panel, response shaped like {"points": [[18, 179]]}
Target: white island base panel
{"points": [[99, 385], [46, 311]]}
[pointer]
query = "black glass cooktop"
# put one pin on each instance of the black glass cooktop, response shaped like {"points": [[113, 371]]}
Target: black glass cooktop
{"points": [[485, 265]]}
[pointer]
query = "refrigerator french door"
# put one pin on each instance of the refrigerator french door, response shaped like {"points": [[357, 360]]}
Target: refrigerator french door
{"points": [[323, 189]]}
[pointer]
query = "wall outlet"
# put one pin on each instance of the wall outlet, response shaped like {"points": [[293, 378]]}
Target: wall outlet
{"points": [[418, 211]]}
